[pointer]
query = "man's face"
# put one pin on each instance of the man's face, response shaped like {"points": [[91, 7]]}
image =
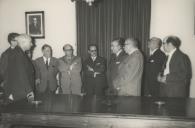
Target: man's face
{"points": [[47, 52], [28, 44], [92, 51], [166, 47], [153, 44], [34, 20], [115, 47], [14, 43], [128, 46], [68, 51]]}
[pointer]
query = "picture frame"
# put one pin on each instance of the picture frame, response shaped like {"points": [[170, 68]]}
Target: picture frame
{"points": [[35, 24]]}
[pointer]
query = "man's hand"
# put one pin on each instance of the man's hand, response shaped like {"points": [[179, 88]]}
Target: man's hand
{"points": [[72, 66], [90, 68], [95, 74], [37, 81], [30, 96], [161, 79]]}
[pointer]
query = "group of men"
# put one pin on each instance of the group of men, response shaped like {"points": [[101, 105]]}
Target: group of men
{"points": [[164, 76]]}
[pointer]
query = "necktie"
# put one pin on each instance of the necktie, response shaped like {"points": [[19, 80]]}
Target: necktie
{"points": [[47, 63], [166, 59], [164, 64], [93, 58]]}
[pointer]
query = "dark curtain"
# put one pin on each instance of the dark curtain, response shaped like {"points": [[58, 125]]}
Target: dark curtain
{"points": [[109, 19]]}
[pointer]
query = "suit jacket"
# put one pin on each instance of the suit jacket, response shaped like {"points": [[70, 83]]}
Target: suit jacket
{"points": [[46, 76], [35, 29], [178, 77], [113, 67], [70, 75], [153, 67], [20, 79], [129, 75], [94, 84], [4, 61]]}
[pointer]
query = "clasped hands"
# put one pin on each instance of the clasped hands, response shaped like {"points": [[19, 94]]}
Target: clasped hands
{"points": [[92, 70], [161, 78]]}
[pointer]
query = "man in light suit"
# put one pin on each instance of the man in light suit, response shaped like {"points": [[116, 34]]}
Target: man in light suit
{"points": [[70, 72], [129, 76], [117, 56], [176, 75], [153, 66], [94, 70], [46, 71]]}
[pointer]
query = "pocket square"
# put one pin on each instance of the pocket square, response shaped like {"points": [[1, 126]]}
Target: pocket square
{"points": [[151, 61], [98, 63], [118, 62]]}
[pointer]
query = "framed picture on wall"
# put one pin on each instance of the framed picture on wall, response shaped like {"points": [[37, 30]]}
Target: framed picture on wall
{"points": [[35, 26]]}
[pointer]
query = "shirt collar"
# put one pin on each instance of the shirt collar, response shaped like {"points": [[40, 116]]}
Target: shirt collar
{"points": [[44, 58], [153, 51], [133, 50], [171, 52], [117, 54]]}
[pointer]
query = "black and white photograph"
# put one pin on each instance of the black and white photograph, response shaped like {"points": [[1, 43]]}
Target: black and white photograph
{"points": [[97, 63]]}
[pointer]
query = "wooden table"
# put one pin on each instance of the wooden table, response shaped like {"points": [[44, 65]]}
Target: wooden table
{"points": [[101, 112]]}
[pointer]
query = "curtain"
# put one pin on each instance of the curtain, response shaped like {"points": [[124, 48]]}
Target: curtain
{"points": [[108, 19]]}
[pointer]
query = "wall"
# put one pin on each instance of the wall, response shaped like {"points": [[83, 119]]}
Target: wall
{"points": [[60, 22], [176, 17]]}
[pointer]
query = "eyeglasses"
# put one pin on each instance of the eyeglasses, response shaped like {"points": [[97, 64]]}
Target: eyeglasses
{"points": [[93, 50], [68, 49]]}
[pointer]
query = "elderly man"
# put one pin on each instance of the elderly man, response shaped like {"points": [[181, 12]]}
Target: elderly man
{"points": [[20, 80], [153, 66], [129, 77], [70, 72], [177, 72]]}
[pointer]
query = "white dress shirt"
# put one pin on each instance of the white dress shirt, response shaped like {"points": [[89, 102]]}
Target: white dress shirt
{"points": [[170, 54], [46, 59], [153, 51]]}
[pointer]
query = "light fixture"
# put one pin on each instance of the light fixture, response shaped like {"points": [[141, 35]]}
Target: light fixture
{"points": [[89, 2]]}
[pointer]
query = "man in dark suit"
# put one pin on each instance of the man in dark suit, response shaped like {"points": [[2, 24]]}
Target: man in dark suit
{"points": [[20, 71], [153, 66], [94, 70], [117, 56], [177, 72], [34, 27], [8, 54], [46, 71]]}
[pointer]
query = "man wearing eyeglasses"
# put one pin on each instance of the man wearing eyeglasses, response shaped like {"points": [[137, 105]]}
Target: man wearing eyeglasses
{"points": [[70, 72], [176, 74], [94, 71]]}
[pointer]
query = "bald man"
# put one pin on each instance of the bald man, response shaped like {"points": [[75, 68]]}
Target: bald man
{"points": [[128, 79], [70, 71]]}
